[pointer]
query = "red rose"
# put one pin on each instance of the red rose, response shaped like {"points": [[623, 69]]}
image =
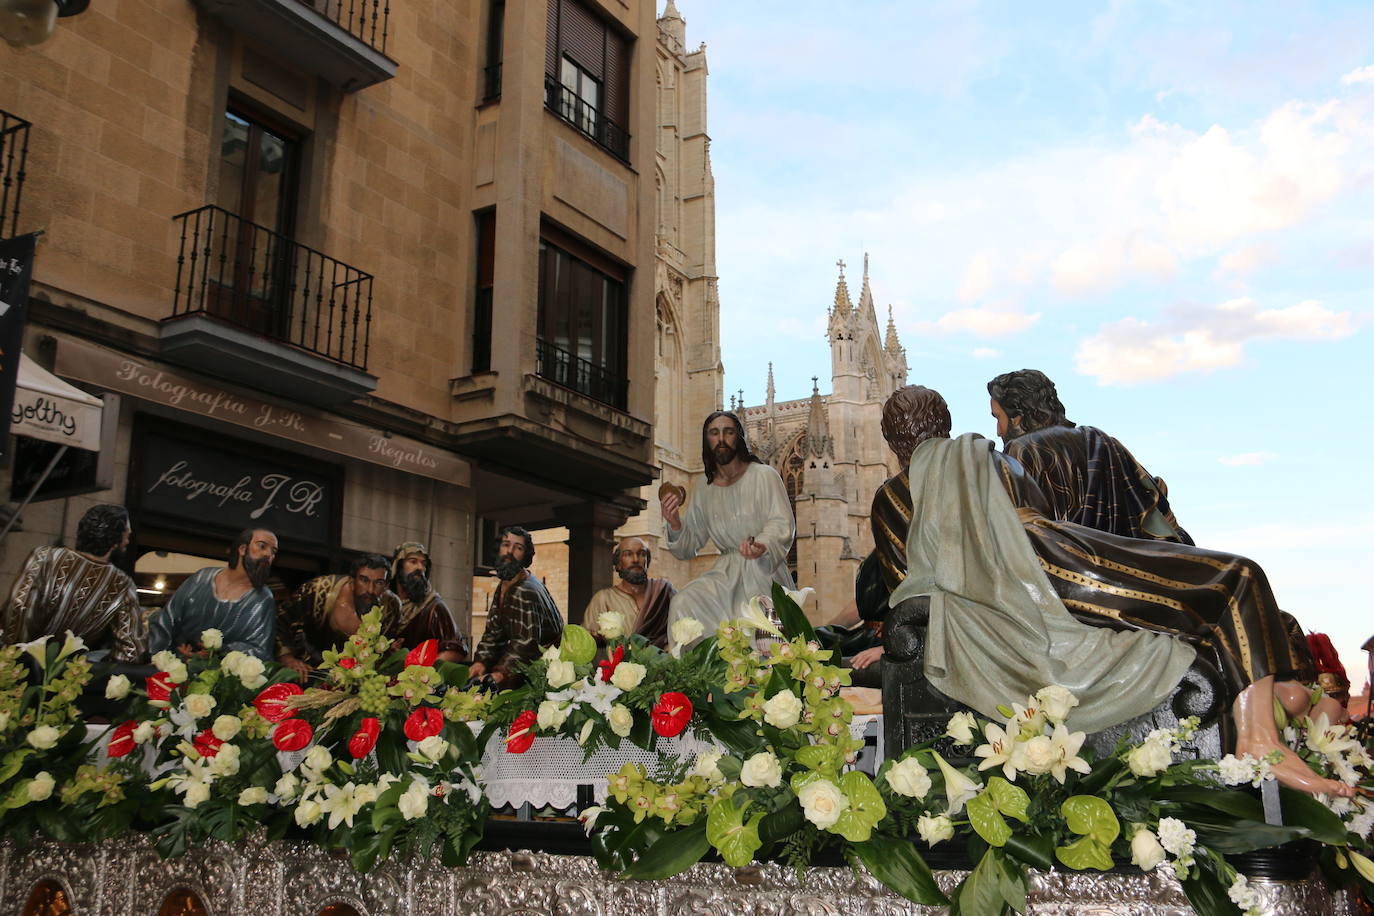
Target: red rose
{"points": [[671, 714], [365, 738], [159, 687], [122, 739], [609, 665], [521, 734], [424, 722], [424, 654], [271, 703], [348, 662], [206, 744], [292, 735]]}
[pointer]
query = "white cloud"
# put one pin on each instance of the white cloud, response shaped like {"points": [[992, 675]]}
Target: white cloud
{"points": [[1244, 261], [988, 321], [1360, 75], [978, 277], [1130, 351], [986, 353], [1247, 459]]}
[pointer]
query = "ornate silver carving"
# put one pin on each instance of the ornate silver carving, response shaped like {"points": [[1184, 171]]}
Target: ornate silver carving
{"points": [[295, 879]]}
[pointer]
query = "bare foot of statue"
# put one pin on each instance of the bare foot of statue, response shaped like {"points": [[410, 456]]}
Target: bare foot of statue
{"points": [[1257, 736]]}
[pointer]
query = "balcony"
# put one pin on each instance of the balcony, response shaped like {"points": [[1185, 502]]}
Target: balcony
{"points": [[586, 118], [572, 371], [14, 154], [258, 308], [343, 41]]}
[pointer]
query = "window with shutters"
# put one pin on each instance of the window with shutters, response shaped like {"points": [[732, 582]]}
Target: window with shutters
{"points": [[582, 336], [587, 75]]}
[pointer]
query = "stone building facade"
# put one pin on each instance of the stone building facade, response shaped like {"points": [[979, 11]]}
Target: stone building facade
{"points": [[399, 257], [829, 448]]}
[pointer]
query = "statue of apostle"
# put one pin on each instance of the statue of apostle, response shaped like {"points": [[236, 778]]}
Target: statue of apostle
{"points": [[640, 601], [234, 600], [744, 511], [81, 590], [424, 615], [327, 610], [522, 620], [1001, 574]]}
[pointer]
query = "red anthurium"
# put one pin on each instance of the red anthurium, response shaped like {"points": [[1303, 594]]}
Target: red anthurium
{"points": [[521, 734], [271, 703], [206, 744], [347, 662], [365, 738], [292, 735], [159, 687], [424, 722], [423, 654], [608, 666], [122, 739], [671, 714]]}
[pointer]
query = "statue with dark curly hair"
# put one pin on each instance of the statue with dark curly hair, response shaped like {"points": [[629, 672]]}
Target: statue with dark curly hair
{"points": [[1087, 476], [81, 590]]}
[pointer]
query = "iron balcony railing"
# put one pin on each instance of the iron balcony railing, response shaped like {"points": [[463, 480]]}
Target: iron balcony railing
{"points": [[365, 20], [583, 376], [14, 155], [587, 118], [260, 280], [491, 82]]}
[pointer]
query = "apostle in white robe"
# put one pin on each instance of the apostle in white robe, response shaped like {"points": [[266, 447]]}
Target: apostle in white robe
{"points": [[743, 510]]}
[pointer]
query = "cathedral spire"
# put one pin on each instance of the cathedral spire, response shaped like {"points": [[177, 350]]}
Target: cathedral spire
{"points": [[771, 390], [842, 304], [818, 443], [866, 298], [890, 342], [674, 26]]}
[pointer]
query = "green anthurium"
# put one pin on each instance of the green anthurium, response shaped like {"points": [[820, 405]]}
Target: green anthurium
{"points": [[1010, 800], [823, 758], [865, 809], [986, 821], [1085, 852], [578, 646], [1091, 816], [732, 836]]}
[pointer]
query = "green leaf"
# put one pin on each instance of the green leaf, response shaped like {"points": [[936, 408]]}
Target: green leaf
{"points": [[12, 763], [1232, 802], [865, 809], [1092, 817], [1303, 810], [726, 829], [981, 892], [986, 821], [1085, 852], [1010, 800], [1230, 836], [1101, 774], [578, 646], [1206, 891], [897, 864], [1035, 851], [673, 853], [792, 617], [781, 824]]}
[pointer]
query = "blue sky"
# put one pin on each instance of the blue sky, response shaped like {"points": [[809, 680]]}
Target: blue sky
{"points": [[1168, 207]]}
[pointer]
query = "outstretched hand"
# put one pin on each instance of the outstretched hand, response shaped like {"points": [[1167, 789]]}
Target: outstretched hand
{"points": [[671, 504], [752, 548]]}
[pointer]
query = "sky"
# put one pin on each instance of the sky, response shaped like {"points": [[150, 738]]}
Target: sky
{"points": [[1167, 207]]}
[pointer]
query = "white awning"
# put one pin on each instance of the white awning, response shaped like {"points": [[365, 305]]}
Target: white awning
{"points": [[47, 408]]}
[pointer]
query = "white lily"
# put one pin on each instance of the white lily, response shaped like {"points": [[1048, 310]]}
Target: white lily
{"points": [[958, 787], [72, 643], [1065, 745], [38, 648], [753, 616], [997, 752]]}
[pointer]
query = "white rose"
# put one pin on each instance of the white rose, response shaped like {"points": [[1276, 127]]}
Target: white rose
{"points": [[783, 710], [907, 777], [627, 675], [144, 732], [40, 787], [610, 624], [307, 812], [707, 766], [822, 802], [226, 761], [196, 792], [685, 630], [226, 727], [43, 737], [1150, 758], [561, 673], [231, 661], [177, 673], [250, 671], [287, 787], [1036, 755], [935, 829], [318, 758], [550, 654], [211, 638], [255, 681], [164, 660], [1146, 852], [552, 715], [365, 793], [761, 771], [199, 704], [1056, 701], [621, 720], [254, 795], [415, 801], [117, 687], [433, 748], [961, 726]]}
